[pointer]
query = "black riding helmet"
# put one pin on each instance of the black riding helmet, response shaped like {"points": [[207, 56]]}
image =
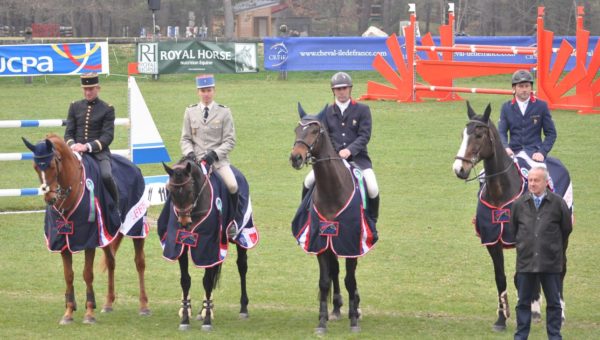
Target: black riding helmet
{"points": [[341, 79], [522, 76]]}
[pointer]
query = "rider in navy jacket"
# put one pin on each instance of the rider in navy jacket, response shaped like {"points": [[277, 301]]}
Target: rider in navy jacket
{"points": [[526, 128]]}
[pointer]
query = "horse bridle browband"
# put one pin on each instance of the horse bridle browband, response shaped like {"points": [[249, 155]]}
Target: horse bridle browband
{"points": [[61, 194], [475, 158]]}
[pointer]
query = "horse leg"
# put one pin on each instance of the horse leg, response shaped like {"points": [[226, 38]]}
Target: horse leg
{"points": [[140, 265], [242, 264], [211, 277], [353, 297], [88, 277], [503, 311], [70, 304], [186, 282], [324, 285], [337, 297], [109, 263]]}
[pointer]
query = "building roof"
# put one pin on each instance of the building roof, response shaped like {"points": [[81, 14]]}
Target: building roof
{"points": [[251, 5]]}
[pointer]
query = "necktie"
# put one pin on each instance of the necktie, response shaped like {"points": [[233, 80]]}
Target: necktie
{"points": [[537, 202], [205, 113]]}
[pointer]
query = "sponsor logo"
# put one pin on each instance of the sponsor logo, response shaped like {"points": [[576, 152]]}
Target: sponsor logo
{"points": [[279, 54]]}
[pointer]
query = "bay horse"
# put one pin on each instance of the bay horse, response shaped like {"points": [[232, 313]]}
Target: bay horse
{"points": [[68, 186], [502, 184], [198, 220], [332, 204]]}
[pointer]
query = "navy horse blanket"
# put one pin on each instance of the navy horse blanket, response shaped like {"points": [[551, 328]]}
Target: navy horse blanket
{"points": [[352, 233], [95, 222], [206, 240], [492, 222]]}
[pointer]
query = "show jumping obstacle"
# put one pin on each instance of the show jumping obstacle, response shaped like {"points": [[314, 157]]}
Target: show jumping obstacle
{"points": [[440, 73]]}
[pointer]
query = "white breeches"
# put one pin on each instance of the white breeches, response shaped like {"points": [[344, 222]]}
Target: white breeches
{"points": [[228, 178], [368, 175]]}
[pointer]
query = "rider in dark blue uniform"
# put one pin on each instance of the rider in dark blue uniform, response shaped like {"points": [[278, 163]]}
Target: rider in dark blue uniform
{"points": [[525, 117], [349, 125], [91, 128]]}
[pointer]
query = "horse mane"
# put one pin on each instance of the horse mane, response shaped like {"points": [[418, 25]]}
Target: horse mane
{"points": [[59, 143]]}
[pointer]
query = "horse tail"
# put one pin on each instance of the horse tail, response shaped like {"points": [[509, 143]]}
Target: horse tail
{"points": [[112, 248]]}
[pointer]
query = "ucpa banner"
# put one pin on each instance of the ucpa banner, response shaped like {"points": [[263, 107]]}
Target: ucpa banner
{"points": [[53, 59], [195, 56]]}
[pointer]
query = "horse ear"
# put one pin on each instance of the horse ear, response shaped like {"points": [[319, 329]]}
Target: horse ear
{"points": [[486, 114], [321, 114], [301, 111], [167, 169], [49, 146], [470, 111], [28, 144], [188, 167]]}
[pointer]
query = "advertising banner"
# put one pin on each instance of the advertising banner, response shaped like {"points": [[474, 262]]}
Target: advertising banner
{"points": [[356, 53], [53, 59], [195, 57]]}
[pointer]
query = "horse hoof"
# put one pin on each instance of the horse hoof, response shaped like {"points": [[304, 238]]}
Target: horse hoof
{"points": [[145, 312], [536, 317], [335, 316], [207, 328], [106, 309], [320, 330], [89, 320], [355, 329], [65, 321], [244, 316], [499, 328], [184, 327], [199, 317]]}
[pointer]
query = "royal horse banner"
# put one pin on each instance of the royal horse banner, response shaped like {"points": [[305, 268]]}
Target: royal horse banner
{"points": [[53, 59], [196, 57]]}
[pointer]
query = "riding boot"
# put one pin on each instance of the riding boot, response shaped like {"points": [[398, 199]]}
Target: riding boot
{"points": [[111, 186], [374, 208], [232, 231], [304, 192]]}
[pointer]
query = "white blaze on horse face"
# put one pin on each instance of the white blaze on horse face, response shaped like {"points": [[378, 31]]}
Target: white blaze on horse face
{"points": [[457, 166], [44, 187]]}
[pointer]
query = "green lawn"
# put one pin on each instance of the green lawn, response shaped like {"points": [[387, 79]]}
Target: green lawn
{"points": [[427, 278]]}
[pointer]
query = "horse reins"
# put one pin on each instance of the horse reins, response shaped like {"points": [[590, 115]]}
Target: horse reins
{"points": [[310, 159], [187, 212], [61, 193]]}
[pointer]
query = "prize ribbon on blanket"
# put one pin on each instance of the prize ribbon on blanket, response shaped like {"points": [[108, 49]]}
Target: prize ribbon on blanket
{"points": [[89, 184]]}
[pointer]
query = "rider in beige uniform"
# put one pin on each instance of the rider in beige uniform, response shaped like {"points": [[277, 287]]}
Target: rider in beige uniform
{"points": [[208, 134]]}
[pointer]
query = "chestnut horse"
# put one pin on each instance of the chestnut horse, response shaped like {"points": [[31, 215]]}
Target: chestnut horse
{"points": [[502, 185], [335, 194], [197, 221], [64, 183]]}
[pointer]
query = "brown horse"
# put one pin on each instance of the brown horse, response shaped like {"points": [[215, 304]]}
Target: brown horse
{"points": [[62, 176], [194, 224], [502, 185], [333, 193]]}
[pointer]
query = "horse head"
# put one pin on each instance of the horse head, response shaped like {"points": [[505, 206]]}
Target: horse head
{"points": [[186, 185], [308, 132], [478, 142], [47, 156]]}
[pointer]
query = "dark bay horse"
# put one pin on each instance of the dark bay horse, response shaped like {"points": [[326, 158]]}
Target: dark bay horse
{"points": [[335, 194], [502, 185], [195, 221], [68, 186]]}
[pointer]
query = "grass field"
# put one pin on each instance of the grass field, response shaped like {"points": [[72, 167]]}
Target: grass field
{"points": [[427, 278]]}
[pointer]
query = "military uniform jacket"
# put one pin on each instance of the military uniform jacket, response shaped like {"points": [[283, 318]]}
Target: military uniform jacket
{"points": [[526, 130], [541, 234], [91, 122], [217, 133], [351, 131]]}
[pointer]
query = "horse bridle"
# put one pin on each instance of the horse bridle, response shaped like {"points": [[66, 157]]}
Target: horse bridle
{"points": [[475, 159], [310, 159], [187, 212], [61, 193]]}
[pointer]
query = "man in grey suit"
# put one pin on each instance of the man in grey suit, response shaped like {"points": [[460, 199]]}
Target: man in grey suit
{"points": [[208, 134]]}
